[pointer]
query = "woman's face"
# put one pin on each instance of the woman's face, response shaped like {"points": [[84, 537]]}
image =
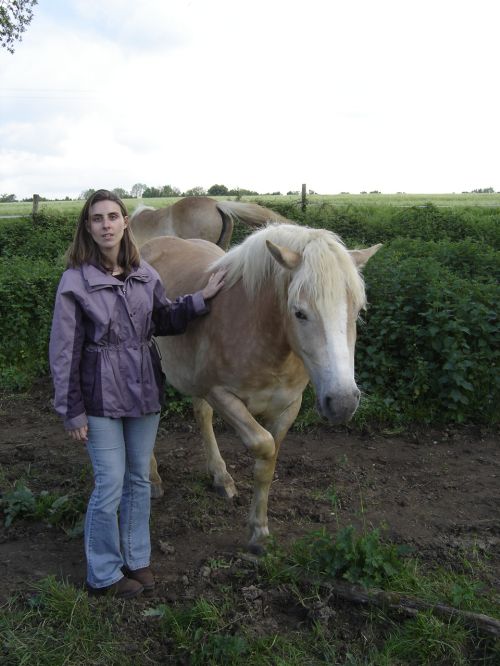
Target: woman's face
{"points": [[106, 225]]}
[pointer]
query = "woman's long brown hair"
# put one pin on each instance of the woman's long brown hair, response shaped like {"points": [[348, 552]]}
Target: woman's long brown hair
{"points": [[84, 250]]}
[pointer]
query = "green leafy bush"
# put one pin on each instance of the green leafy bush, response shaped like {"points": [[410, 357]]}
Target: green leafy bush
{"points": [[367, 225], [47, 239], [430, 341], [20, 503], [356, 558], [27, 291]]}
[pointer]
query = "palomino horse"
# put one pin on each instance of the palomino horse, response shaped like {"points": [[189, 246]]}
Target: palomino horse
{"points": [[286, 315], [198, 217]]}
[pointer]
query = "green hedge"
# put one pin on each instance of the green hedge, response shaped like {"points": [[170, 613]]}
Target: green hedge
{"points": [[428, 348], [47, 239], [430, 343], [367, 225], [27, 291]]}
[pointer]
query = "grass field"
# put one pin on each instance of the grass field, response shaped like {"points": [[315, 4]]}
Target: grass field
{"points": [[400, 200]]}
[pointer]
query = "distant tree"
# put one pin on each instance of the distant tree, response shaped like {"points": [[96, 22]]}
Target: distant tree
{"points": [[86, 193], [241, 192], [162, 191], [120, 192], [195, 192], [15, 17], [7, 198], [484, 190], [137, 190], [151, 193], [218, 191], [292, 192], [169, 191]]}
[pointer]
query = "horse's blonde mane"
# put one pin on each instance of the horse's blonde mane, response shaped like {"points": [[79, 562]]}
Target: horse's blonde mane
{"points": [[325, 272]]}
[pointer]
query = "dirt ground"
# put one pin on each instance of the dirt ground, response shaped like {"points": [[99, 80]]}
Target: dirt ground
{"points": [[436, 490]]}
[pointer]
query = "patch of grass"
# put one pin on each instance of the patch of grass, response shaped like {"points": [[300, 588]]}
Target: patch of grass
{"points": [[465, 592], [219, 635], [363, 559], [201, 633], [58, 626], [427, 641], [330, 494]]}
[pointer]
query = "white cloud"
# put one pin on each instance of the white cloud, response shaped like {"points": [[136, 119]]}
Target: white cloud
{"points": [[345, 96]]}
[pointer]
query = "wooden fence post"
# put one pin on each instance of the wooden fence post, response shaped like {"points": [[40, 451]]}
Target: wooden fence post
{"points": [[303, 198], [36, 201]]}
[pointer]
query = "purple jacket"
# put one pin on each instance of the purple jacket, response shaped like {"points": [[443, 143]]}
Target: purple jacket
{"points": [[102, 358]]}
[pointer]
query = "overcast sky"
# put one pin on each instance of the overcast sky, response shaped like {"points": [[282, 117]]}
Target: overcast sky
{"points": [[343, 95]]}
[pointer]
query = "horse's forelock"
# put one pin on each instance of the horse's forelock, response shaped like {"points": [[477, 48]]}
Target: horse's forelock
{"points": [[327, 273], [326, 269]]}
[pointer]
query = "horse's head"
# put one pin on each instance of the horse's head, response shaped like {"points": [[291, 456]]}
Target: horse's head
{"points": [[325, 295]]}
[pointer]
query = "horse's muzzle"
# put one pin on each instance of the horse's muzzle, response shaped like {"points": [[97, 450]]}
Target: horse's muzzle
{"points": [[339, 408]]}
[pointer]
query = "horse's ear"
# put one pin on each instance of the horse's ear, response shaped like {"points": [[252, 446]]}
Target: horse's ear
{"points": [[284, 256], [360, 257]]}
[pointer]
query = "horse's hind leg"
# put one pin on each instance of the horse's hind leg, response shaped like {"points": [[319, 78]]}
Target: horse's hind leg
{"points": [[222, 481], [155, 478]]}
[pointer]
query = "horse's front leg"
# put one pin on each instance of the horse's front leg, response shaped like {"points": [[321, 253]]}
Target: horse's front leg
{"points": [[261, 443], [263, 477], [222, 480]]}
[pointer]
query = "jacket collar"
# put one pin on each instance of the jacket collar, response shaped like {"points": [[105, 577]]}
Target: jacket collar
{"points": [[96, 278]]}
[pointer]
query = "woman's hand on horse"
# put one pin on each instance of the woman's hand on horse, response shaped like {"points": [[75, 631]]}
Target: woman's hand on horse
{"points": [[214, 284], [80, 434]]}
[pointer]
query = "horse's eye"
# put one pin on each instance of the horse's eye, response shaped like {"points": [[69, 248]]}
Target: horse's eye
{"points": [[300, 315]]}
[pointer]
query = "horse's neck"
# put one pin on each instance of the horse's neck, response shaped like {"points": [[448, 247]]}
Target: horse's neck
{"points": [[261, 321]]}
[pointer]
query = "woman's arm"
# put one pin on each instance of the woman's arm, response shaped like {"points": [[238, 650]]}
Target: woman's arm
{"points": [[172, 317]]}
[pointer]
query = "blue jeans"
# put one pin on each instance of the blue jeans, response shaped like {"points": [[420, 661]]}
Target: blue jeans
{"points": [[117, 519]]}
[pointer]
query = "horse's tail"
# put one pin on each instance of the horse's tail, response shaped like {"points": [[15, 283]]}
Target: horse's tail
{"points": [[251, 214]]}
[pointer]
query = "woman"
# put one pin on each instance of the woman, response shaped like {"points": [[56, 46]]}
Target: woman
{"points": [[109, 384]]}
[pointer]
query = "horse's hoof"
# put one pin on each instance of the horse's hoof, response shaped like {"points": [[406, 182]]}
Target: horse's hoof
{"points": [[226, 493], [256, 549], [156, 491]]}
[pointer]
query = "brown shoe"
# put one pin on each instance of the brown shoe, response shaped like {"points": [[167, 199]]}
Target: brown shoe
{"points": [[125, 588], [143, 576]]}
